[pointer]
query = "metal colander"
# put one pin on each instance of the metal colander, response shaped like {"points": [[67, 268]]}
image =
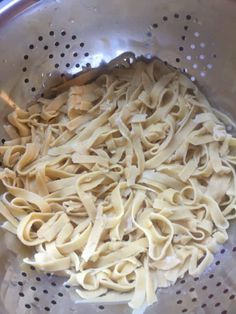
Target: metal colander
{"points": [[43, 41]]}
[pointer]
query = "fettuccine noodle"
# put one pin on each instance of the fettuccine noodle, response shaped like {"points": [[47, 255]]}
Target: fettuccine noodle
{"points": [[123, 183]]}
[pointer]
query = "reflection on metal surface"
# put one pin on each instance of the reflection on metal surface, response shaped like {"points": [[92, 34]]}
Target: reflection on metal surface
{"points": [[11, 8], [8, 5]]}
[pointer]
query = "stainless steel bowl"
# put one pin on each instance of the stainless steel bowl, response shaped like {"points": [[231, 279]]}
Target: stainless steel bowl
{"points": [[40, 41]]}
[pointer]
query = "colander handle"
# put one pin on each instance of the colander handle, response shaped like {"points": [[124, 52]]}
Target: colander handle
{"points": [[9, 9]]}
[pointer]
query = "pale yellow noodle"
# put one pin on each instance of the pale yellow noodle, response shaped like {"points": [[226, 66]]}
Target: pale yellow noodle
{"points": [[123, 183]]}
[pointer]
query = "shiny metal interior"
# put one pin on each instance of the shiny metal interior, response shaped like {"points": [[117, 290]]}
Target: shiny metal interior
{"points": [[42, 41]]}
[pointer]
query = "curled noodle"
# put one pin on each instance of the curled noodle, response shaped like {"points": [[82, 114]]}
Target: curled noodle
{"points": [[124, 182]]}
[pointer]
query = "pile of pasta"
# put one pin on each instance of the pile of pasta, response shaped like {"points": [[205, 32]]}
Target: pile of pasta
{"points": [[123, 184]]}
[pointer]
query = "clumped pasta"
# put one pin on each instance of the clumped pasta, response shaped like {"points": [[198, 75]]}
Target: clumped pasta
{"points": [[123, 184]]}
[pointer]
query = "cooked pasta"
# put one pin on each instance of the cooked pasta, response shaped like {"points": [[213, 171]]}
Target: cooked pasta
{"points": [[123, 182]]}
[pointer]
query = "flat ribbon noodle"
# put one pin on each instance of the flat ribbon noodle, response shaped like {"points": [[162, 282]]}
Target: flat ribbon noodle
{"points": [[124, 182]]}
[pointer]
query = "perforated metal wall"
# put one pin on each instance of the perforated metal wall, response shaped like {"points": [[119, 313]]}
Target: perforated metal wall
{"points": [[55, 39]]}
